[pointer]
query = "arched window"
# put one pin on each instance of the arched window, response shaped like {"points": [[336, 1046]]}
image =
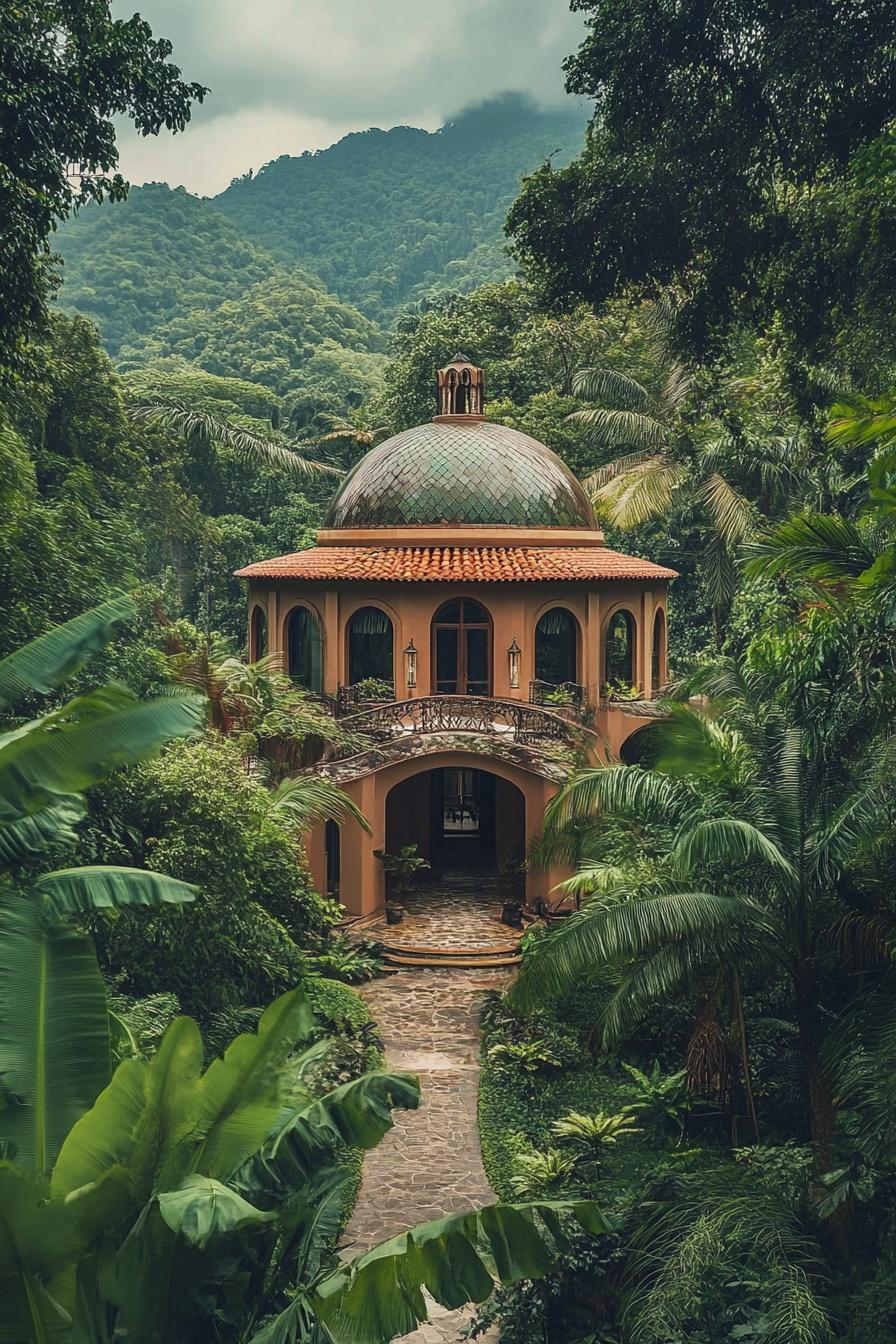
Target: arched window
{"points": [[332, 846], [370, 646], [619, 654], [658, 652], [258, 635], [556, 640], [462, 648], [305, 648]]}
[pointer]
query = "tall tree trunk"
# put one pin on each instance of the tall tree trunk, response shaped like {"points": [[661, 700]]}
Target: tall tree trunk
{"points": [[818, 1093]]}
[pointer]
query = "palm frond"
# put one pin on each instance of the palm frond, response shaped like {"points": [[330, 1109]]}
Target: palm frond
{"points": [[622, 791], [729, 841], [677, 387], [731, 513], [818, 546], [603, 384], [641, 493], [306, 800], [210, 429], [619, 429], [600, 935], [857, 420], [601, 475]]}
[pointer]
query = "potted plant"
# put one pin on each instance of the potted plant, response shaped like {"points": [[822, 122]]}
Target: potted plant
{"points": [[375, 689], [559, 696], [512, 914], [400, 870]]}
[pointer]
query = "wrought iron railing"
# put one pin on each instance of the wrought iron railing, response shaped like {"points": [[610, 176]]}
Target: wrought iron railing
{"points": [[556, 693], [459, 714], [349, 696]]}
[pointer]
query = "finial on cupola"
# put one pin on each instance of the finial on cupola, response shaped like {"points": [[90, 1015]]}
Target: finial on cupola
{"points": [[460, 391]]}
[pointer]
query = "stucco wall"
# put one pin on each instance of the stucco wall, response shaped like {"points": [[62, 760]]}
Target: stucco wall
{"points": [[514, 610]]}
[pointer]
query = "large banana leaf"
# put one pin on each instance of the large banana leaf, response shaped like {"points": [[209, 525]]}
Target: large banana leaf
{"points": [[146, 1120], [357, 1114], [202, 1208], [50, 758], [457, 1260], [32, 836], [41, 1242], [51, 659], [81, 891], [54, 1030], [240, 1094]]}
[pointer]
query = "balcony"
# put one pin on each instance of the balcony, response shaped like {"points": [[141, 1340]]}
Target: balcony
{"points": [[519, 722]]}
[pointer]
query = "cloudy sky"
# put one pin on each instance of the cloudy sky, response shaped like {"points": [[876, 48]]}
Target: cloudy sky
{"points": [[289, 75]]}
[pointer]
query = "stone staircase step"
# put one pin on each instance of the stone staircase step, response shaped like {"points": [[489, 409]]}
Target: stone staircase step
{"points": [[478, 950], [442, 963]]}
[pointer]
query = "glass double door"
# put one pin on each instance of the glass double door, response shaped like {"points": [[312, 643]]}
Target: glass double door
{"points": [[461, 633]]}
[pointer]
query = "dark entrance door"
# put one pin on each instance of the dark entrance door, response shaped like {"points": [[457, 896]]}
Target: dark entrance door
{"points": [[463, 817], [461, 636]]}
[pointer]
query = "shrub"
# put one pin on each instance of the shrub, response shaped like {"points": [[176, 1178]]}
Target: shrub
{"points": [[196, 814]]}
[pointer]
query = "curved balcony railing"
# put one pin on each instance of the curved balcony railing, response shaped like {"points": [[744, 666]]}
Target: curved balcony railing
{"points": [[459, 714], [556, 693]]}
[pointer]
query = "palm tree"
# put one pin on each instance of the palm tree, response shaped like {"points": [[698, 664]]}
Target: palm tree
{"points": [[669, 455], [209, 430], [754, 821]]}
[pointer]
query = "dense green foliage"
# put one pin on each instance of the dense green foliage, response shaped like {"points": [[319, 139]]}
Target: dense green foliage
{"points": [[65, 71], [737, 151], [383, 217]]}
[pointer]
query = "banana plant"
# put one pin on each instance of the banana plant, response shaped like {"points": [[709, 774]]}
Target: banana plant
{"points": [[186, 1195], [54, 1025]]}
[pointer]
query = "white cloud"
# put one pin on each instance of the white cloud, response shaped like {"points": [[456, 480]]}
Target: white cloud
{"points": [[288, 75]]}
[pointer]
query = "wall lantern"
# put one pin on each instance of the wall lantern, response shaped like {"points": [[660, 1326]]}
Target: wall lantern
{"points": [[513, 663], [410, 666]]}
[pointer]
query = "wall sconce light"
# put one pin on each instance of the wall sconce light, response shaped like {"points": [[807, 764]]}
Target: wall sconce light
{"points": [[410, 666], [513, 663]]}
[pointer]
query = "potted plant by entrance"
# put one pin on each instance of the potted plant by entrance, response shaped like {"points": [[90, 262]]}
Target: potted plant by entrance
{"points": [[400, 870]]}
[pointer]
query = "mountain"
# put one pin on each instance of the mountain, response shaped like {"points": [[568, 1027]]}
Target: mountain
{"points": [[385, 216], [133, 266], [170, 281]]}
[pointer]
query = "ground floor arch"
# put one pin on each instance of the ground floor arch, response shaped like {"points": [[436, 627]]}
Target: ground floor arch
{"points": [[459, 817], [457, 807]]}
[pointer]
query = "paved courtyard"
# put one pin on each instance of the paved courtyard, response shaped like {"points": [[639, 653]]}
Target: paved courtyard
{"points": [[429, 1164], [458, 910]]}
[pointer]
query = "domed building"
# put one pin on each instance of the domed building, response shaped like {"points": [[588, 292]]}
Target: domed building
{"points": [[462, 614]]}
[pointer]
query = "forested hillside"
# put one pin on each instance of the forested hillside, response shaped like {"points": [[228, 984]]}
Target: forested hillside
{"points": [[384, 216], [134, 265]]}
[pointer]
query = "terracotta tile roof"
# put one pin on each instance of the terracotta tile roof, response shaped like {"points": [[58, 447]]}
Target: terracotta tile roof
{"points": [[453, 564]]}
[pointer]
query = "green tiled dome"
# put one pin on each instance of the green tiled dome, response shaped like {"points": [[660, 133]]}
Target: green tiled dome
{"points": [[478, 473]]}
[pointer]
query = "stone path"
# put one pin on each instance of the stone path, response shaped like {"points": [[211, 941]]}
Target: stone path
{"points": [[429, 1164], [458, 910]]}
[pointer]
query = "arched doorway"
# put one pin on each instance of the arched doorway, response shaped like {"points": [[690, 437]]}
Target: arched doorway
{"points": [[459, 818], [658, 652], [556, 647], [333, 847], [619, 650], [370, 647], [258, 635], [304, 645], [462, 648]]}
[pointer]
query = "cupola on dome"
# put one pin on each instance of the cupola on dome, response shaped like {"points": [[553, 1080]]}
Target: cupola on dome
{"points": [[463, 469]]}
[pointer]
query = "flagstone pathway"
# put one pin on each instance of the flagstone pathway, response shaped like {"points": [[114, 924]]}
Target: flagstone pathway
{"points": [[429, 1165]]}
